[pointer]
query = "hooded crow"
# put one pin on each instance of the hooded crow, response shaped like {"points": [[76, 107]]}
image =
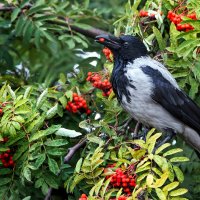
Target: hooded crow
{"points": [[147, 90]]}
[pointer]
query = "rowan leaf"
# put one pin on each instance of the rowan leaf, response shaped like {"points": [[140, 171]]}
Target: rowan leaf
{"points": [[178, 192], [179, 174], [172, 151], [53, 166], [67, 133], [160, 194]]}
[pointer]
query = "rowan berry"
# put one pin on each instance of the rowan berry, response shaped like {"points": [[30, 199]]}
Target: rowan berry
{"points": [[107, 52], [97, 81], [78, 103]]}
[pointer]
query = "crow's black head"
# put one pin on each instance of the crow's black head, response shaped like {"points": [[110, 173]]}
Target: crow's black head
{"points": [[126, 47]]}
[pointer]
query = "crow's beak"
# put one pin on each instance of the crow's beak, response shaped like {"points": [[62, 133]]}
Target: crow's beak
{"points": [[109, 41]]}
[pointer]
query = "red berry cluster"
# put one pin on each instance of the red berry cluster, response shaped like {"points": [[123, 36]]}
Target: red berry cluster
{"points": [[6, 157], [1, 112], [107, 52], [97, 82], [78, 103], [177, 19], [122, 179], [83, 197], [120, 198]]}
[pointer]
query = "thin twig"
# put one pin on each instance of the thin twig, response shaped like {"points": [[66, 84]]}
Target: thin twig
{"points": [[67, 158]]}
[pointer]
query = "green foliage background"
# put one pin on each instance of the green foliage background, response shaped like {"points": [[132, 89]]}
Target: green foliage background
{"points": [[40, 43]]}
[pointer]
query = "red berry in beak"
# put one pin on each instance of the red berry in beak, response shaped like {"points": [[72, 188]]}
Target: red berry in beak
{"points": [[101, 39]]}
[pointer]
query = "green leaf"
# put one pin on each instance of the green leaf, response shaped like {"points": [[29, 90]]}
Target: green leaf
{"points": [[36, 9], [95, 139], [172, 151], [39, 182], [160, 161], [51, 180], [161, 41], [5, 171], [52, 111], [141, 177], [56, 142], [23, 3], [20, 102], [15, 13], [162, 147], [150, 133], [42, 98], [5, 181], [56, 151], [171, 172], [149, 180], [27, 92], [76, 180], [19, 25], [161, 181], [63, 101], [105, 187], [160, 194], [98, 186], [11, 92], [41, 158], [178, 192], [27, 173], [44, 133], [171, 186], [21, 150], [179, 174], [27, 198], [69, 95], [179, 159], [53, 166], [78, 165], [67, 133]]}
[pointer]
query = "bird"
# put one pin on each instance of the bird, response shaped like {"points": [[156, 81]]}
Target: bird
{"points": [[149, 93]]}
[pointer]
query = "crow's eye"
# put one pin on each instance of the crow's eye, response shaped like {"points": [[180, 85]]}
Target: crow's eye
{"points": [[126, 44]]}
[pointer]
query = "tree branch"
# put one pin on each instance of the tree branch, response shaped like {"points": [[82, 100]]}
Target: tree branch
{"points": [[67, 158], [92, 33]]}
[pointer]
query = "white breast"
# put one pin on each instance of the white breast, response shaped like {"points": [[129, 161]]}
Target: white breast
{"points": [[142, 107]]}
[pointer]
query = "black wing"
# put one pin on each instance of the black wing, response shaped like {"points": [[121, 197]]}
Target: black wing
{"points": [[174, 100]]}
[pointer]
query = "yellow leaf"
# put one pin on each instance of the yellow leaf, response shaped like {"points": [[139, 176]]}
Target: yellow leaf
{"points": [[160, 182], [178, 192], [160, 194], [149, 180]]}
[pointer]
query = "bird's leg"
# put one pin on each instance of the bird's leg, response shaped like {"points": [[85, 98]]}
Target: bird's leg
{"points": [[170, 133], [145, 130], [136, 130]]}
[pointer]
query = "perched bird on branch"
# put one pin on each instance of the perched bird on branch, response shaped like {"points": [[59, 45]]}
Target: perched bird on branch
{"points": [[147, 90]]}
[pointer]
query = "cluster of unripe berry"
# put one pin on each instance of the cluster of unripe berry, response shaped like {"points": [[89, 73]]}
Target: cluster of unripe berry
{"points": [[6, 157], [121, 179], [107, 52], [78, 104], [97, 81], [177, 19]]}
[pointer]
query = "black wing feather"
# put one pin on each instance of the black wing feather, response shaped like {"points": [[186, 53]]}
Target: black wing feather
{"points": [[174, 100]]}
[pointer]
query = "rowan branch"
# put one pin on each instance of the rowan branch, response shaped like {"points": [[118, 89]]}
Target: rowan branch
{"points": [[61, 21], [67, 158]]}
